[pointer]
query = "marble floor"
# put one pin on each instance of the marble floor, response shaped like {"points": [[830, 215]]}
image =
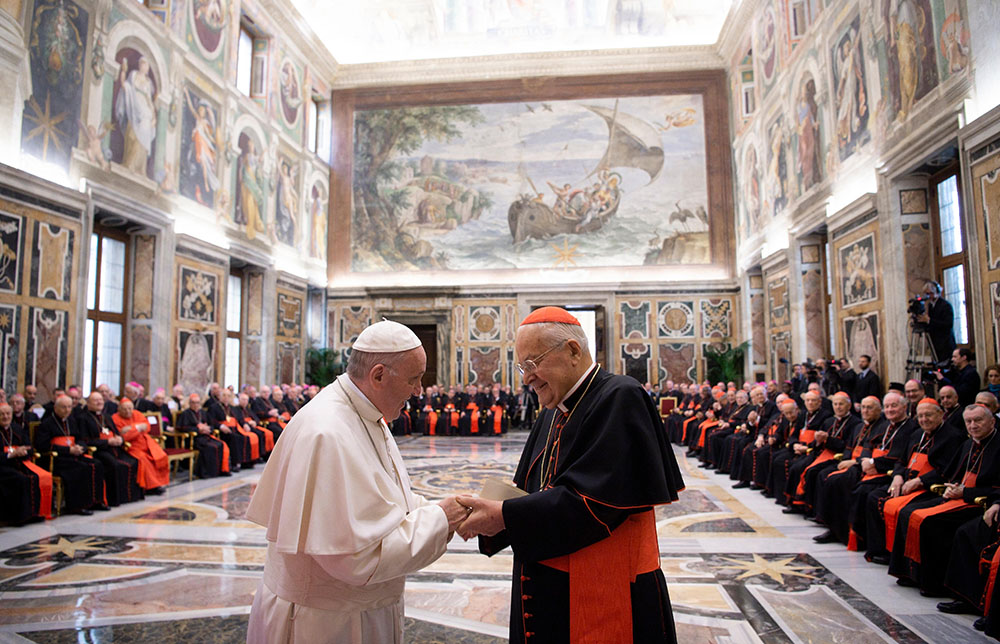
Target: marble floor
{"points": [[184, 567]]}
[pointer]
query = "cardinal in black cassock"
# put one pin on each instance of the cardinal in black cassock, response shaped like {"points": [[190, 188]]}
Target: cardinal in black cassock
{"points": [[597, 462]]}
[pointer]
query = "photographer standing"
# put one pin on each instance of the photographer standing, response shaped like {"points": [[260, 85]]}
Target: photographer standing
{"points": [[939, 319], [962, 376]]}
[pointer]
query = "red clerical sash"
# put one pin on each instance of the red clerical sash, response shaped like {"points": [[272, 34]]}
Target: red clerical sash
{"points": [[917, 518], [600, 601], [876, 453], [44, 489], [892, 507]]}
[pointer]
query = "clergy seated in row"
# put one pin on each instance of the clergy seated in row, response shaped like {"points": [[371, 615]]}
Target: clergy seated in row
{"points": [[121, 469], [249, 420], [25, 488], [154, 469], [244, 445], [19, 411], [694, 416], [158, 404], [213, 454], [927, 461], [731, 425], [771, 443], [82, 475], [268, 412], [736, 456], [796, 454]]}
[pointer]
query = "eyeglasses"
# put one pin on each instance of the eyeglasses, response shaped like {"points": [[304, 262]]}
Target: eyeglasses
{"points": [[530, 365]]}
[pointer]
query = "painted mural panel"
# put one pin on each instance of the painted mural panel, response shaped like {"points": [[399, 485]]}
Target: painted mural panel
{"points": [[195, 359], [201, 139], [767, 45], [56, 52], [862, 337], [11, 252], [677, 362], [531, 185], [814, 309], [777, 295], [52, 262], [952, 37], [318, 217], [206, 33], [255, 304], [809, 157], [858, 270], [197, 295], [750, 188], [133, 139], [10, 340], [290, 94], [289, 315], [287, 209], [776, 179], [142, 279], [251, 187], [48, 345], [850, 89], [910, 53]]}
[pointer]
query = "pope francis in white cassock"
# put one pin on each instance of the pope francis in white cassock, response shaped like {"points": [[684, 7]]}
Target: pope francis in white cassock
{"points": [[343, 527]]}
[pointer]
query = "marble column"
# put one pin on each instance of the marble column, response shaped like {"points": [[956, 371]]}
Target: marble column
{"points": [[15, 78]]}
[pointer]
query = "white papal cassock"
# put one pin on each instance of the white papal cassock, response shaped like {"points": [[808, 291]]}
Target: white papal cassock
{"points": [[343, 527]]}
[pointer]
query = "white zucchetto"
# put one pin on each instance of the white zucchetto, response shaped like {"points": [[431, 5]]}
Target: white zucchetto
{"points": [[386, 337]]}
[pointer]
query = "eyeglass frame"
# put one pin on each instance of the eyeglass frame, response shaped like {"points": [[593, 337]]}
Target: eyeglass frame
{"points": [[531, 364]]}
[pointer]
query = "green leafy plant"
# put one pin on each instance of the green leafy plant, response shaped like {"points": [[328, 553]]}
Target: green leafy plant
{"points": [[323, 365], [724, 363]]}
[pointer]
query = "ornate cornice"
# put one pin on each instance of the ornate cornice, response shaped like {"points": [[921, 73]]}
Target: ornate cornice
{"points": [[561, 63]]}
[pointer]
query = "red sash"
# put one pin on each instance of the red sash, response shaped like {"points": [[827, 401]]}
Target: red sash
{"points": [[431, 420], [912, 550], [876, 453], [44, 489], [268, 438], [254, 438], [807, 436], [991, 579], [225, 453], [892, 507], [687, 422], [64, 441], [600, 604], [704, 427], [497, 419], [824, 456], [473, 418]]}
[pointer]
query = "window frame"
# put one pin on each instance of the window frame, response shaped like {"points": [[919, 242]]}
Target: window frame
{"points": [[97, 315], [944, 262], [236, 335]]}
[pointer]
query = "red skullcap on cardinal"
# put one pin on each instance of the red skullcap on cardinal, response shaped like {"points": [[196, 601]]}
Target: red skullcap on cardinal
{"points": [[550, 314]]}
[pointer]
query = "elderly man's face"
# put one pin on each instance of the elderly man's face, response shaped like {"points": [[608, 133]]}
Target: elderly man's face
{"points": [[62, 407], [125, 408], [399, 382], [913, 391], [30, 392], [948, 397], [870, 410], [895, 408], [979, 422], [17, 403], [791, 412], [194, 402], [841, 405], [929, 417], [988, 399], [811, 401], [6, 415], [553, 375], [95, 403]]}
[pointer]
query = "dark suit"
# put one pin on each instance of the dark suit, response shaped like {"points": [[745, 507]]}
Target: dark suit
{"points": [[942, 319], [966, 383], [868, 384]]}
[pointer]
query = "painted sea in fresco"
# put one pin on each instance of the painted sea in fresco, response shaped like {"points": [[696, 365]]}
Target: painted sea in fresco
{"points": [[453, 197]]}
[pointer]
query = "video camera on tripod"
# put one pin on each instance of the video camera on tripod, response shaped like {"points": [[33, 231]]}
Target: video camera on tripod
{"points": [[916, 308]]}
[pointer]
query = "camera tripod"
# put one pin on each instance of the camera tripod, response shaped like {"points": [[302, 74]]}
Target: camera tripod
{"points": [[922, 356]]}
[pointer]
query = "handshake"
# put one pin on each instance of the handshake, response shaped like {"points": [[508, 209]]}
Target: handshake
{"points": [[471, 516]]}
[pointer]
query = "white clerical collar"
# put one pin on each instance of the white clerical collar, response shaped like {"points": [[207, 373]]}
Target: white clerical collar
{"points": [[365, 408], [561, 406]]}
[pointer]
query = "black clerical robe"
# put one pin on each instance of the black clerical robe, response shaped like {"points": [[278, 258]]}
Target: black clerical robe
{"points": [[121, 469], [82, 476], [592, 476], [25, 488], [213, 454]]}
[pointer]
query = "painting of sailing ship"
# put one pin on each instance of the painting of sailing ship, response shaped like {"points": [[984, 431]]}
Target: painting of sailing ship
{"points": [[576, 183]]}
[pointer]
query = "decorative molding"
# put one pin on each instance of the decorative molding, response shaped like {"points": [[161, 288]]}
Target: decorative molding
{"points": [[518, 66], [839, 223], [39, 193], [116, 202]]}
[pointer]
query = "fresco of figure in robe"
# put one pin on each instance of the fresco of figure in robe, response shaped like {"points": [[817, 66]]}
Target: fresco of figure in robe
{"points": [[250, 188], [132, 144], [810, 153], [199, 149], [286, 213], [910, 53], [851, 93], [317, 211]]}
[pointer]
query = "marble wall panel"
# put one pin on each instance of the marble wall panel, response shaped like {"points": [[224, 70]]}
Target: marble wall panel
{"points": [[858, 268], [677, 362], [757, 328], [716, 318], [484, 324], [197, 295], [862, 336], [255, 303], [913, 201], [52, 262], [289, 315], [994, 313], [12, 231], [989, 188], [634, 319], [781, 355], [195, 354], [636, 357], [777, 294], [353, 320], [675, 320], [10, 338], [484, 365], [289, 358], [251, 368], [140, 345], [814, 305], [47, 354], [142, 277], [918, 254]]}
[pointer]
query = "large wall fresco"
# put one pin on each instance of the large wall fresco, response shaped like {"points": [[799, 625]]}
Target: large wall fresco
{"points": [[535, 184]]}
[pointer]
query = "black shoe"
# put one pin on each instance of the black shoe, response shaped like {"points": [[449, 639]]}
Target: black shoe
{"points": [[247, 466], [979, 624], [826, 537], [225, 473], [791, 510], [957, 607], [100, 507], [906, 582], [690, 452], [233, 469], [741, 485], [156, 491], [85, 512], [933, 593], [882, 560], [754, 486]]}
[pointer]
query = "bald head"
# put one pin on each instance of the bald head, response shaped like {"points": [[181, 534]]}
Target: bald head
{"points": [[62, 406], [988, 399]]}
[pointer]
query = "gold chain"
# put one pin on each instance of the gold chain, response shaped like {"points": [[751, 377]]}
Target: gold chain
{"points": [[546, 452]]}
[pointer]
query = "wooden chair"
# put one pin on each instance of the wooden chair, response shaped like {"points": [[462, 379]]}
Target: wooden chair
{"points": [[183, 448], [48, 463], [667, 405]]}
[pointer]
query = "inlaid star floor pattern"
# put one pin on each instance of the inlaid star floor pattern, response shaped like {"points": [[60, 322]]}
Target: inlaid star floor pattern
{"points": [[185, 566]]}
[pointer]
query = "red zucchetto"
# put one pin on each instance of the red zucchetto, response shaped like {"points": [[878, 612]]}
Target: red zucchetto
{"points": [[550, 314], [929, 401]]}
